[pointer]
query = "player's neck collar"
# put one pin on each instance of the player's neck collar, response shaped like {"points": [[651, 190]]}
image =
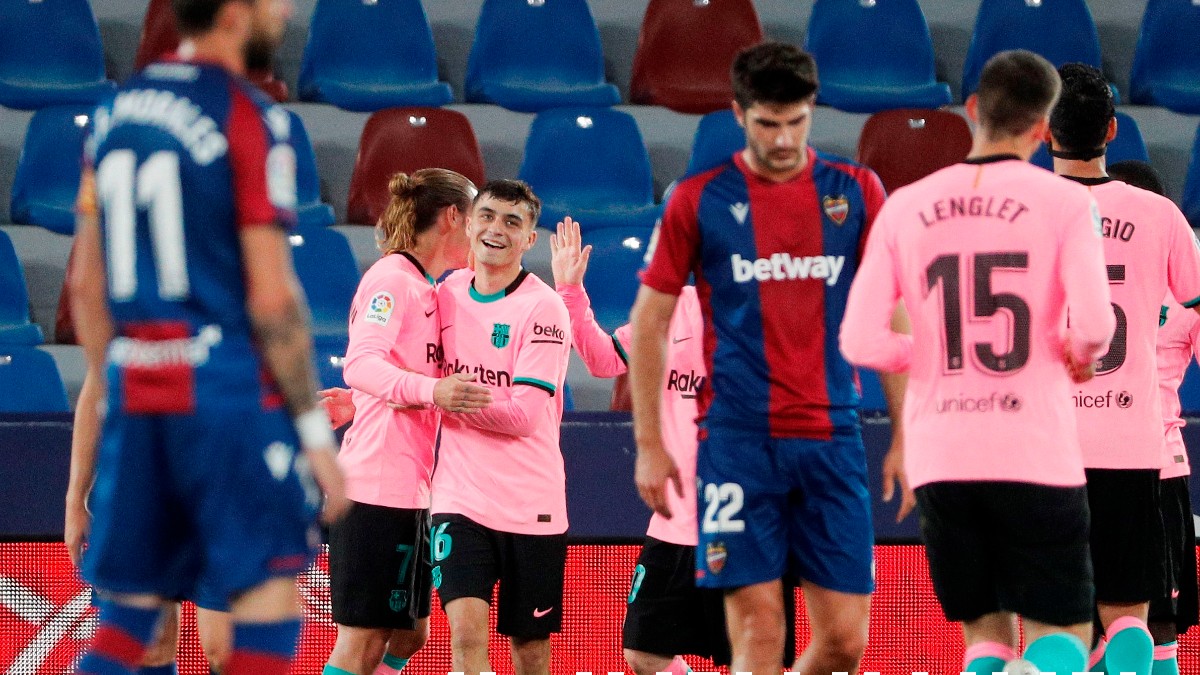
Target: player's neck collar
{"points": [[990, 159], [1096, 180], [420, 268], [504, 292]]}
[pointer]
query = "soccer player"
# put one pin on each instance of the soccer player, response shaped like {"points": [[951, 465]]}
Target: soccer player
{"points": [[184, 291], [499, 491], [773, 237], [1150, 251], [379, 571], [988, 255]]}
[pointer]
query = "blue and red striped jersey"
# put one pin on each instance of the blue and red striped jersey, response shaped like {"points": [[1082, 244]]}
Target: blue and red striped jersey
{"points": [[185, 155], [773, 262]]}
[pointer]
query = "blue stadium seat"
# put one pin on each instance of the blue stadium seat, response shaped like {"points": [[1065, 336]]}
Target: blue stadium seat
{"points": [[874, 55], [1166, 65], [1128, 144], [47, 177], [329, 275], [590, 164], [366, 56], [1191, 185], [1063, 31], [29, 382], [329, 351], [50, 54], [15, 327], [530, 55], [717, 137], [612, 276], [310, 210]]}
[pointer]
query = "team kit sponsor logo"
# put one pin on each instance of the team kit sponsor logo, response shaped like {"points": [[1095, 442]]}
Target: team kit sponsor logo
{"points": [[688, 383], [994, 402], [483, 374], [784, 266], [379, 309], [1109, 399]]}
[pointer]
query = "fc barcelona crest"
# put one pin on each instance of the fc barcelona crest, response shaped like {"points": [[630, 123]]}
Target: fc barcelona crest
{"points": [[837, 208], [500, 335], [715, 556], [399, 601]]}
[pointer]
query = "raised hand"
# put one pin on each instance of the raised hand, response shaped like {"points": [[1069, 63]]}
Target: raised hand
{"points": [[568, 257]]}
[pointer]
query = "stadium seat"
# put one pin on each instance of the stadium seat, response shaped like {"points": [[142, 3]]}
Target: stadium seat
{"points": [[669, 70], [329, 275], [329, 352], [612, 275], [873, 55], [15, 327], [1166, 64], [1191, 185], [590, 164], [50, 54], [530, 55], [407, 139], [717, 137], [1063, 31], [1128, 144], [903, 146], [310, 210], [47, 177], [370, 55], [30, 382]]}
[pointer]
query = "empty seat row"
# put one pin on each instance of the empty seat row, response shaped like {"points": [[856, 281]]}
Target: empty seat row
{"points": [[529, 55]]}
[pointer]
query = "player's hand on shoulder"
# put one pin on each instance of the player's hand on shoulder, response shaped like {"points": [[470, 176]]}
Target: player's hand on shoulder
{"points": [[653, 473], [339, 404], [568, 257], [459, 393], [75, 529]]}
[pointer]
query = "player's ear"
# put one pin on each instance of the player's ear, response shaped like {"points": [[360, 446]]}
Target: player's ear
{"points": [[739, 114], [235, 17], [1112, 131], [533, 235], [972, 107]]}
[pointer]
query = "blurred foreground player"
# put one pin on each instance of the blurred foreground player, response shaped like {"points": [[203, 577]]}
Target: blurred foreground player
{"points": [[987, 256], [184, 290], [1150, 253]]}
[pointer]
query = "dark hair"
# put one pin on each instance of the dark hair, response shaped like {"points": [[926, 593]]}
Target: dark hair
{"points": [[1016, 89], [1080, 119], [193, 17], [416, 202], [1138, 174], [513, 192], [773, 72]]}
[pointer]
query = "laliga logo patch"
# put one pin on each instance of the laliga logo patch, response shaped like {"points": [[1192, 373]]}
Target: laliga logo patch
{"points": [[379, 310], [715, 556], [837, 208]]}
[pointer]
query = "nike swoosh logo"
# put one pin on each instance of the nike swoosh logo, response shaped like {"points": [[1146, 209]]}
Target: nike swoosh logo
{"points": [[445, 327], [430, 312], [539, 613], [678, 340]]}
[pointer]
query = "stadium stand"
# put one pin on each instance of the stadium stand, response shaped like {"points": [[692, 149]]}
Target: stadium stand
{"points": [[895, 71], [29, 382], [408, 139], [310, 210], [612, 280], [530, 55], [15, 326], [590, 164], [370, 55], [1128, 144], [669, 70], [718, 136], [41, 67], [906, 145], [1166, 65], [1191, 188], [329, 275], [47, 175]]}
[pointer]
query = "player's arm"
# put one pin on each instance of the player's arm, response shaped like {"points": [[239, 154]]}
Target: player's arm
{"points": [[867, 336], [651, 320], [1085, 283], [569, 261], [1183, 259], [894, 386]]}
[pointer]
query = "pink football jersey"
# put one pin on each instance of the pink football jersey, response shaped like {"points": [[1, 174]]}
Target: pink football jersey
{"points": [[393, 356], [503, 467], [987, 255], [607, 356], [1150, 251], [1178, 342]]}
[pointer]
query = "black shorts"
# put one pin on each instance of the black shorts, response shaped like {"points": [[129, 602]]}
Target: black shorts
{"points": [[1007, 546], [668, 614], [379, 571], [1180, 604], [469, 559], [1128, 541]]}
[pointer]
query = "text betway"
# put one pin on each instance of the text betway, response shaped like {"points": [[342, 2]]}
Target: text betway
{"points": [[782, 266]]}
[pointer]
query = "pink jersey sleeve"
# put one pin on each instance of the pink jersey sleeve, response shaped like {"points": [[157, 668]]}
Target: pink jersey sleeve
{"points": [[1183, 260], [676, 239], [375, 328], [866, 335], [513, 413], [1085, 281], [597, 348]]}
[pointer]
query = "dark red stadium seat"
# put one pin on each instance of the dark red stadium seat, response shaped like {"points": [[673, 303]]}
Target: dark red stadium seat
{"points": [[684, 52], [908, 144], [407, 139]]}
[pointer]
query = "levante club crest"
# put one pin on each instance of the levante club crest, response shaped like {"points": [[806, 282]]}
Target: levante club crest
{"points": [[499, 335], [837, 208], [715, 556]]}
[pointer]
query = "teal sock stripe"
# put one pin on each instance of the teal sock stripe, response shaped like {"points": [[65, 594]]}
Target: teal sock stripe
{"points": [[334, 670], [394, 662]]}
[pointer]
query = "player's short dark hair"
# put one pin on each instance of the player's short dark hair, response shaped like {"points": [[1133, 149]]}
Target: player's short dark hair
{"points": [[513, 192], [193, 17], [1138, 174], [774, 73], [1016, 89], [1080, 119]]}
